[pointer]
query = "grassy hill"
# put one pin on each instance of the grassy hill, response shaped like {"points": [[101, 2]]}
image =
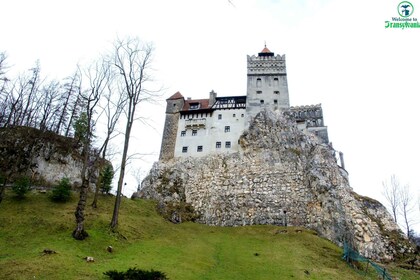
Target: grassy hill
{"points": [[145, 240]]}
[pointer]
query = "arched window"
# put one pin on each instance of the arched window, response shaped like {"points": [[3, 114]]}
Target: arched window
{"points": [[276, 82]]}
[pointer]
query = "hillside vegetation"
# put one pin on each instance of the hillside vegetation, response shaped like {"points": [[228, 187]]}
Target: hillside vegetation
{"points": [[145, 240]]}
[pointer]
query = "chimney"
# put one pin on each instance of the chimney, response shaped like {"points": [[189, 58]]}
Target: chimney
{"points": [[212, 98]]}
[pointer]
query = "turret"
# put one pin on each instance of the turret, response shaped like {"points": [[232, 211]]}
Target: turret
{"points": [[174, 105]]}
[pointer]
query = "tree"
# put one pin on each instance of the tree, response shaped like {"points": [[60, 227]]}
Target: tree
{"points": [[391, 193], [34, 83], [401, 203], [107, 175], [68, 96], [4, 81], [132, 60], [62, 192], [97, 77], [112, 107], [47, 105], [406, 208], [82, 134]]}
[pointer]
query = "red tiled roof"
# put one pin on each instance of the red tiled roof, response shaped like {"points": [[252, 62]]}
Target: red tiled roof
{"points": [[204, 104], [265, 50], [177, 95]]}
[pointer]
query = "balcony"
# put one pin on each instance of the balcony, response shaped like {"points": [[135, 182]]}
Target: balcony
{"points": [[195, 123]]}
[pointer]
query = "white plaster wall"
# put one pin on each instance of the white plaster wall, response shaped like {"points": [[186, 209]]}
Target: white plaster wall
{"points": [[213, 132]]}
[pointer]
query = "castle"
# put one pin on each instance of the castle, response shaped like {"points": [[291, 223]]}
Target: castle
{"points": [[201, 127], [248, 160]]}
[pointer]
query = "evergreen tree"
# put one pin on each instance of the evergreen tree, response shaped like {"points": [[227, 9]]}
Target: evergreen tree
{"points": [[106, 179]]}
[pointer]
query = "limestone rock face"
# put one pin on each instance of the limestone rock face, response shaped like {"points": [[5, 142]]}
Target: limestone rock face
{"points": [[43, 156], [282, 176]]}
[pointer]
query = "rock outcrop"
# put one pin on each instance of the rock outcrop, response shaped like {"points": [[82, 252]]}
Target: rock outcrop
{"points": [[45, 157], [282, 176]]}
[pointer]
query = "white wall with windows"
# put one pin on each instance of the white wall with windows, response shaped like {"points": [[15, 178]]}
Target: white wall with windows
{"points": [[203, 134]]}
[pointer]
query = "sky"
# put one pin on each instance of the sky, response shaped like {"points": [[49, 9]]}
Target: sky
{"points": [[338, 53]]}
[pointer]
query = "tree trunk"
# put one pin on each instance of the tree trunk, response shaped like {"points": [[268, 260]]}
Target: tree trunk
{"points": [[79, 233], [97, 187], [114, 221], [2, 188]]}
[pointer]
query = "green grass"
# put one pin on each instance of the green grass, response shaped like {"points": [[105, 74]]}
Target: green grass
{"points": [[145, 240]]}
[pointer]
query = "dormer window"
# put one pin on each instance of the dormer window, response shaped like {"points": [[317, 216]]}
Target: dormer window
{"points": [[194, 106]]}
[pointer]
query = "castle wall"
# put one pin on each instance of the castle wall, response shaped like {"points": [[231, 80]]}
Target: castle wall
{"points": [[310, 118], [209, 129]]}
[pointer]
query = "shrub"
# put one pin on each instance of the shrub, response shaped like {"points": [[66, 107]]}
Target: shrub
{"points": [[136, 274], [62, 192], [106, 179], [21, 186]]}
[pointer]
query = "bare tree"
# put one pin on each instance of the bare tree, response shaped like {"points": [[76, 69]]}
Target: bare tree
{"points": [[97, 77], [138, 174], [4, 81], [112, 107], [48, 104], [407, 206], [132, 60], [391, 192], [68, 96], [30, 95]]}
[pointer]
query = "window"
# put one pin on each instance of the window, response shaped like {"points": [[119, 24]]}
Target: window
{"points": [[242, 115], [184, 149], [262, 102], [218, 145], [194, 106], [276, 92], [258, 83], [275, 101], [199, 148], [227, 128], [194, 132], [227, 144], [183, 133], [234, 115], [219, 116], [259, 92], [276, 82]]}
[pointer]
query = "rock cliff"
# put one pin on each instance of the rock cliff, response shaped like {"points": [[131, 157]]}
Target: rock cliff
{"points": [[282, 176], [43, 156]]}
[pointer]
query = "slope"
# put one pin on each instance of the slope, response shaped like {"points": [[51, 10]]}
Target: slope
{"points": [[145, 240]]}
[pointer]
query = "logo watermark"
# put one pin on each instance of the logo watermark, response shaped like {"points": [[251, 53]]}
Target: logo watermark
{"points": [[405, 11]]}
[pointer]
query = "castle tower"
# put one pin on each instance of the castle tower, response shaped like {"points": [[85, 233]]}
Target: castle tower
{"points": [[174, 105], [267, 82]]}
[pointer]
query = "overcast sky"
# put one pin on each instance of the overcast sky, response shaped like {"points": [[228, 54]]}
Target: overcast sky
{"points": [[338, 53]]}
